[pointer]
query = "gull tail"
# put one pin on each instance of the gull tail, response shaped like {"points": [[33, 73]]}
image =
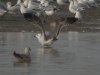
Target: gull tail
{"points": [[17, 55]]}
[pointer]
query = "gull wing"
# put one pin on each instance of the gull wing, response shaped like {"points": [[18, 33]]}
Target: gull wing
{"points": [[60, 24], [19, 56], [40, 25]]}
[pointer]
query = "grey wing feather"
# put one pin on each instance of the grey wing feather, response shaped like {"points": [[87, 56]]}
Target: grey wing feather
{"points": [[58, 31], [41, 26]]}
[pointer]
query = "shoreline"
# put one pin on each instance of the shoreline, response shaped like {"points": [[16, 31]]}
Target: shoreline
{"points": [[17, 23]]}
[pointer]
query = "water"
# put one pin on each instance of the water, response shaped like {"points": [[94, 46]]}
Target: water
{"points": [[73, 54]]}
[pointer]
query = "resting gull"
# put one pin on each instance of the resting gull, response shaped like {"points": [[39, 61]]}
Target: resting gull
{"points": [[23, 57]]}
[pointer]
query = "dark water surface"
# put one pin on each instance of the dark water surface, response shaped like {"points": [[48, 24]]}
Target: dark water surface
{"points": [[73, 54]]}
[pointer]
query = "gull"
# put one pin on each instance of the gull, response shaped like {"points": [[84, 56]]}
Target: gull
{"points": [[47, 40], [25, 2], [33, 5], [23, 57], [48, 7], [36, 7], [25, 11], [28, 13], [89, 3], [44, 3], [80, 4], [76, 7], [8, 8], [12, 8], [18, 2], [62, 2], [32, 11], [71, 20], [4, 10], [76, 11], [50, 10]]}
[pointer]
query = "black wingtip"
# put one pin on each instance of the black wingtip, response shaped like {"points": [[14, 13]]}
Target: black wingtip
{"points": [[55, 39], [14, 53], [71, 20], [17, 55]]}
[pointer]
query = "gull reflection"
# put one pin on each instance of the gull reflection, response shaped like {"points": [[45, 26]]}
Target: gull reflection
{"points": [[47, 50], [24, 64], [73, 39], [3, 40], [24, 67], [54, 56]]}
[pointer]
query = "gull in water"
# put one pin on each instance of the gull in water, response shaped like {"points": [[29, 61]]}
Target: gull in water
{"points": [[23, 57], [47, 40]]}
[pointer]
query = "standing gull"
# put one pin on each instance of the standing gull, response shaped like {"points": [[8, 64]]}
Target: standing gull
{"points": [[28, 13], [73, 9], [76, 7], [12, 8], [31, 11], [50, 10]]}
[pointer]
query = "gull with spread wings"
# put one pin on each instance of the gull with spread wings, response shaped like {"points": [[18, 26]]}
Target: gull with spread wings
{"points": [[47, 40]]}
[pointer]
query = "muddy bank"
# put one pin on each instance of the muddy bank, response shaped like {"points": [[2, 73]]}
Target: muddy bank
{"points": [[90, 22]]}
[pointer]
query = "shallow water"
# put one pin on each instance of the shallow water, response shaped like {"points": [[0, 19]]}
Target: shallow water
{"points": [[73, 54]]}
